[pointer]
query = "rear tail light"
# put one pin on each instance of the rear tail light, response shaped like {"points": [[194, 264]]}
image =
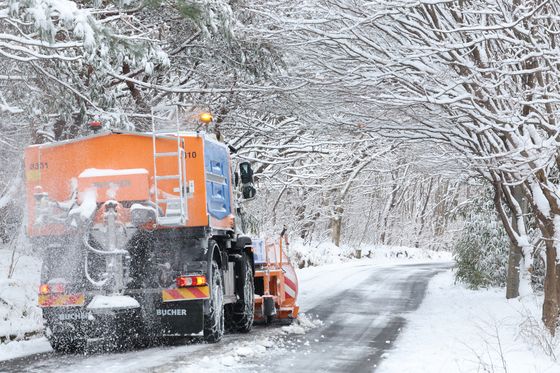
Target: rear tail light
{"points": [[185, 281], [52, 288]]}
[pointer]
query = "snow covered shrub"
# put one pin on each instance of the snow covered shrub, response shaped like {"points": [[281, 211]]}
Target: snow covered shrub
{"points": [[481, 252], [310, 255]]}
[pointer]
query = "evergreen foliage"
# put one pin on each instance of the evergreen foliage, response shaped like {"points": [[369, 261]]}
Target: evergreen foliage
{"points": [[481, 252]]}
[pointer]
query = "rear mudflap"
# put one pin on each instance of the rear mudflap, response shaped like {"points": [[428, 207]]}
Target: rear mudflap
{"points": [[184, 318], [79, 323]]}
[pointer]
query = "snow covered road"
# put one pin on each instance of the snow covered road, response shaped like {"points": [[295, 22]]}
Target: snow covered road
{"points": [[354, 312]]}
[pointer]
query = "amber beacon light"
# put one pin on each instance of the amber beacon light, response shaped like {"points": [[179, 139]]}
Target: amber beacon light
{"points": [[205, 117]]}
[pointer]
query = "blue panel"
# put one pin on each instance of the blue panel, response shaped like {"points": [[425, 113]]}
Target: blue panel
{"points": [[218, 183]]}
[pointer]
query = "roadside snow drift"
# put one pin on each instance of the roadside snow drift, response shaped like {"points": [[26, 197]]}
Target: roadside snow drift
{"points": [[19, 313], [461, 330]]}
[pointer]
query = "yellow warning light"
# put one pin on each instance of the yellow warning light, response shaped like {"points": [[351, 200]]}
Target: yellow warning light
{"points": [[205, 117]]}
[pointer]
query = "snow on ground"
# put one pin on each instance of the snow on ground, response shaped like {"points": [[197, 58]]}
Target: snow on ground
{"points": [[318, 254], [235, 353], [317, 287], [16, 349], [461, 330], [19, 313]]}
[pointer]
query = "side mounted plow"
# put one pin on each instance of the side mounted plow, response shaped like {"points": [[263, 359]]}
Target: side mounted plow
{"points": [[276, 284]]}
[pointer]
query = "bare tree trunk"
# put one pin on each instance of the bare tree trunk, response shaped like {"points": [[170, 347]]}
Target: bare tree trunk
{"points": [[423, 213], [548, 227], [512, 279], [515, 252], [441, 208], [516, 200], [359, 164], [367, 224], [389, 206], [336, 224], [550, 306]]}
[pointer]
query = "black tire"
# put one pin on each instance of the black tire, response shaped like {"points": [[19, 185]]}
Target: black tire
{"points": [[214, 321], [243, 313]]}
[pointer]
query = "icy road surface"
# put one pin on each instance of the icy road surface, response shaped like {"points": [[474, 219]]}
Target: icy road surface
{"points": [[353, 314]]}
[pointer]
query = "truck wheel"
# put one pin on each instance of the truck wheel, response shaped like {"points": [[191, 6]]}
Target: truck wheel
{"points": [[244, 310], [214, 321]]}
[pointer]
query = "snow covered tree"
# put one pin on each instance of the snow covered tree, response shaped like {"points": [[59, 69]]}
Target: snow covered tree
{"points": [[68, 54], [481, 76]]}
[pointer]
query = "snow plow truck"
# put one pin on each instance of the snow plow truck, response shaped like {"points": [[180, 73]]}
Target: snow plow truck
{"points": [[140, 238]]}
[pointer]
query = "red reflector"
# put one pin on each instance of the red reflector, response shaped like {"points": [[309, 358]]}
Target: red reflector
{"points": [[185, 281]]}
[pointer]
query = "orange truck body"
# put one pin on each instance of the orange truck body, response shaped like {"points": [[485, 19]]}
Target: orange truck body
{"points": [[56, 168]]}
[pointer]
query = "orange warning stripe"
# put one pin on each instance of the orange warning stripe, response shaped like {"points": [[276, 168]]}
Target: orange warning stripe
{"points": [[58, 300], [199, 292]]}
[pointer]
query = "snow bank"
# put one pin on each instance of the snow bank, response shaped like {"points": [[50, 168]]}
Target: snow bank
{"points": [[19, 313], [306, 255], [11, 193], [230, 358], [461, 330], [16, 349], [241, 356], [302, 324]]}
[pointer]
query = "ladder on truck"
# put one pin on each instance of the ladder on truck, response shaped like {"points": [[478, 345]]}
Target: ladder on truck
{"points": [[175, 212]]}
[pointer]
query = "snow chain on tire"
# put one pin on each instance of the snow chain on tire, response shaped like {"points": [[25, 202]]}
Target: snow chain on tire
{"points": [[243, 311], [214, 321]]}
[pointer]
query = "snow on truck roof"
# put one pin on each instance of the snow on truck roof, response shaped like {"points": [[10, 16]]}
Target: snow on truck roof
{"points": [[171, 133]]}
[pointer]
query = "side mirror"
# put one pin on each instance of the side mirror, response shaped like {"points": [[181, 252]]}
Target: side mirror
{"points": [[248, 192], [246, 173], [246, 176]]}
